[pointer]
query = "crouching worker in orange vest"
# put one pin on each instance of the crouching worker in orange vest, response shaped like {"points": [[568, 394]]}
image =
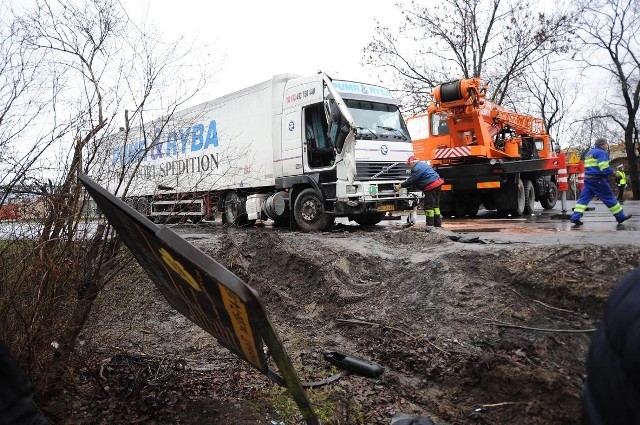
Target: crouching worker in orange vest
{"points": [[425, 178]]}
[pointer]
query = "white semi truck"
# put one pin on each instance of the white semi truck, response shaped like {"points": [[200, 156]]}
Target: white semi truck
{"points": [[300, 151]]}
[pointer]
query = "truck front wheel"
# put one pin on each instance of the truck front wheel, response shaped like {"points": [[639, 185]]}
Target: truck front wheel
{"points": [[309, 213], [368, 219]]}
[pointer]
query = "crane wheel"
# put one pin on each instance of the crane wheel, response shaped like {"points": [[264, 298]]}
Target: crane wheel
{"points": [[548, 201], [529, 197]]}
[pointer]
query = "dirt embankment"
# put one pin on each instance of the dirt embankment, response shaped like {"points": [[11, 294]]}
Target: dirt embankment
{"points": [[467, 333]]}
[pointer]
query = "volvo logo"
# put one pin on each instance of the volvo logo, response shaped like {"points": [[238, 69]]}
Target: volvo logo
{"points": [[384, 149]]}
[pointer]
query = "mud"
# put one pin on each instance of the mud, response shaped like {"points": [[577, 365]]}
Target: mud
{"points": [[467, 332]]}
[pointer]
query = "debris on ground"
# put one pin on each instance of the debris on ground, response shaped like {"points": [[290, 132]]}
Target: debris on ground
{"points": [[468, 332]]}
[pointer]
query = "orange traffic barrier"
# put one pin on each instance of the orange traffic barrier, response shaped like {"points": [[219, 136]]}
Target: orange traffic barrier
{"points": [[563, 183], [581, 175]]}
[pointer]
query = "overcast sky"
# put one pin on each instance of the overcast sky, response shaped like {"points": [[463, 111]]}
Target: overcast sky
{"points": [[262, 38]]}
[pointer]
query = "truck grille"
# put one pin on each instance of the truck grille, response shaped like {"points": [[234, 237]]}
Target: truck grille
{"points": [[381, 170]]}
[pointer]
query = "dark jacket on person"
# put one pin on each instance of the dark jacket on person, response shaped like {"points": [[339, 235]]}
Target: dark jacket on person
{"points": [[612, 390], [16, 393], [421, 176]]}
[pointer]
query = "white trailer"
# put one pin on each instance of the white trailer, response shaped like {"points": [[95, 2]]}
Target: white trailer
{"points": [[300, 151]]}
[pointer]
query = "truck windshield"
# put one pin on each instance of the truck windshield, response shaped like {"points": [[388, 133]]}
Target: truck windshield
{"points": [[378, 121]]}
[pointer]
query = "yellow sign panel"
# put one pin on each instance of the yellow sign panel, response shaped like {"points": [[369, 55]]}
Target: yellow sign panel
{"points": [[574, 159], [241, 324]]}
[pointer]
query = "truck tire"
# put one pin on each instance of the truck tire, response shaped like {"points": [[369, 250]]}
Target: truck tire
{"points": [[488, 202], [529, 197], [368, 219], [472, 208], [281, 222], [131, 202], [234, 213], [520, 201], [548, 201], [459, 206], [463, 206], [309, 213]]}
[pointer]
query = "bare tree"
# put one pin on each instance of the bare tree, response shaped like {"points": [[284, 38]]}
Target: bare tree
{"points": [[612, 27], [593, 123], [25, 96], [497, 40], [552, 94], [91, 63]]}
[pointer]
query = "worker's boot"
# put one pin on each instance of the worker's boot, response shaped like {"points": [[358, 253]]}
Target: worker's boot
{"points": [[429, 221], [623, 219], [437, 220]]}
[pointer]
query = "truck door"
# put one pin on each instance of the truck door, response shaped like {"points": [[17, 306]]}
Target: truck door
{"points": [[320, 151], [342, 130]]}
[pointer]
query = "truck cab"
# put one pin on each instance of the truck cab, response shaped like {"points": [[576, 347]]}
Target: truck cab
{"points": [[347, 141]]}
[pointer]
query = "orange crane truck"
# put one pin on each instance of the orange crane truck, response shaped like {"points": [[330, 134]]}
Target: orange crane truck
{"points": [[486, 154]]}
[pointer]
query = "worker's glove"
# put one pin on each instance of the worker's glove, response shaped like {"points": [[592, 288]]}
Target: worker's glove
{"points": [[397, 187]]}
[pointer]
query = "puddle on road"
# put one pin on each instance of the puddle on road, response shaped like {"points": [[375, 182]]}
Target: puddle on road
{"points": [[477, 230], [510, 229]]}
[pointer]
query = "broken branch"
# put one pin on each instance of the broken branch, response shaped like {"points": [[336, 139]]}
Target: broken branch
{"points": [[508, 325]]}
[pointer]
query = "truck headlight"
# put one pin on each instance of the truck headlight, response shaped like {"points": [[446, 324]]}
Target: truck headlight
{"points": [[351, 190]]}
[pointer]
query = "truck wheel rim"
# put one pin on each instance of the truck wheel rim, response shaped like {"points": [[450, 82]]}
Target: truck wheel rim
{"points": [[310, 209]]}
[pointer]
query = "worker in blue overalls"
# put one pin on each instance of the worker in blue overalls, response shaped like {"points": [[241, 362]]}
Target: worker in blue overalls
{"points": [[596, 183]]}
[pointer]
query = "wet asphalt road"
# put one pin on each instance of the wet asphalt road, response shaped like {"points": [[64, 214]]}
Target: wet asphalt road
{"points": [[544, 227], [548, 226]]}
